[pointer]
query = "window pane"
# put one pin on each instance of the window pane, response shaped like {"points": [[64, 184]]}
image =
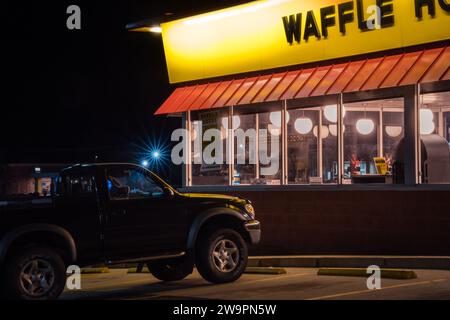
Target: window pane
{"points": [[312, 160], [434, 132], [393, 134], [373, 135], [212, 170], [245, 136], [132, 184], [77, 186], [303, 145], [447, 126], [270, 148], [329, 144]]}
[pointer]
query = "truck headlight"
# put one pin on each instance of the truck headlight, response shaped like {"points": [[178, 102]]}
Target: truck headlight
{"points": [[250, 210]]}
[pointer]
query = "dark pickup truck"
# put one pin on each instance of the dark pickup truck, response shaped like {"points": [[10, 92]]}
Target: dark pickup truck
{"points": [[117, 213]]}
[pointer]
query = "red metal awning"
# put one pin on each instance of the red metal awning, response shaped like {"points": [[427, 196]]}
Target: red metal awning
{"points": [[389, 71]]}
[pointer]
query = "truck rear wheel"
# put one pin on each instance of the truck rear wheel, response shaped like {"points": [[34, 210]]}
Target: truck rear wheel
{"points": [[34, 274], [221, 256], [170, 270]]}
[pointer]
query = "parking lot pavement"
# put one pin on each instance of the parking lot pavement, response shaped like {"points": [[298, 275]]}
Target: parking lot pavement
{"points": [[297, 284]]}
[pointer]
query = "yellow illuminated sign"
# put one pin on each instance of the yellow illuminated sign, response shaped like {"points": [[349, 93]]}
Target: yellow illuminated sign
{"points": [[269, 34]]}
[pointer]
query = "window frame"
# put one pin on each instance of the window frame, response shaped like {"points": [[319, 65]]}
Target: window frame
{"points": [[423, 89]]}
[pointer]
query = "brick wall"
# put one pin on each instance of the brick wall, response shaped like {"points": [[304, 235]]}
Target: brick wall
{"points": [[390, 222]]}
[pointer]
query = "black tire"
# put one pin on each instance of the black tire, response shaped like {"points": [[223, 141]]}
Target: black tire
{"points": [[50, 269], [170, 270], [208, 264]]}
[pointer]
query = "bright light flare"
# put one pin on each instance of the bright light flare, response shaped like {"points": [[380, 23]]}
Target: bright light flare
{"points": [[156, 154], [155, 29]]}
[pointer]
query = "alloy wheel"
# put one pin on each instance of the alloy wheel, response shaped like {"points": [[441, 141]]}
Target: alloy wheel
{"points": [[37, 277], [225, 255]]}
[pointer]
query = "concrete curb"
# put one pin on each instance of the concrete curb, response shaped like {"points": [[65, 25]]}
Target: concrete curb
{"points": [[94, 270], [387, 262], [362, 272]]}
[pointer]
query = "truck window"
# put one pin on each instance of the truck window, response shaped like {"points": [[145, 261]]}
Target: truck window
{"points": [[77, 186], [124, 183]]}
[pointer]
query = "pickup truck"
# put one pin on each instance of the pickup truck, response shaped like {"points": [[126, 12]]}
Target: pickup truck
{"points": [[121, 213]]}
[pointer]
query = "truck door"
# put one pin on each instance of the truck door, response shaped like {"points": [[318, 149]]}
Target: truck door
{"points": [[78, 211], [142, 221]]}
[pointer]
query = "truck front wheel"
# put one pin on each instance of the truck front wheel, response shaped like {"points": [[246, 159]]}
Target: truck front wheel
{"points": [[221, 256], [34, 274]]}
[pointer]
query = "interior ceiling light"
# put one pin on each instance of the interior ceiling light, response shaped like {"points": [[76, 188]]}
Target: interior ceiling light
{"points": [[303, 125], [274, 130], [275, 118], [394, 131], [333, 129], [365, 126], [427, 125], [330, 113], [236, 122], [325, 132]]}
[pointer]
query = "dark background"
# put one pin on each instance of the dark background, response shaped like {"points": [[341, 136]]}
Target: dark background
{"points": [[70, 95]]}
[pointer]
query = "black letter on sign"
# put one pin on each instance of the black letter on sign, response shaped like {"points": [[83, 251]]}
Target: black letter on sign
{"points": [[444, 5], [327, 21], [421, 3], [362, 24], [311, 27], [292, 27], [386, 12], [345, 17]]}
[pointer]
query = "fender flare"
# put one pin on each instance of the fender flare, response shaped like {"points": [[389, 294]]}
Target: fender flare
{"points": [[203, 217], [13, 235]]}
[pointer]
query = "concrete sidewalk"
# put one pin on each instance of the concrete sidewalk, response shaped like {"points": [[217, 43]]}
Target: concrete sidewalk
{"points": [[392, 262]]}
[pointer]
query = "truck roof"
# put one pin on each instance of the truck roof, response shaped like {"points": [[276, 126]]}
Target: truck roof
{"points": [[96, 165]]}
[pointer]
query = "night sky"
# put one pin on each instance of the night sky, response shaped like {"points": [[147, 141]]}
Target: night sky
{"points": [[70, 95]]}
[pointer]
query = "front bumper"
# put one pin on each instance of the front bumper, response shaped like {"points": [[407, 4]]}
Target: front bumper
{"points": [[254, 231]]}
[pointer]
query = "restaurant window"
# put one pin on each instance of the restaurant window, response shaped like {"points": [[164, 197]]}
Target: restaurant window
{"points": [[329, 144], [257, 146], [434, 127], [373, 135], [270, 148], [312, 145], [209, 158], [245, 166]]}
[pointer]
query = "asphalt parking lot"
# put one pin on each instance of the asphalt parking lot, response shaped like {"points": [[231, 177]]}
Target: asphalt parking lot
{"points": [[297, 284]]}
